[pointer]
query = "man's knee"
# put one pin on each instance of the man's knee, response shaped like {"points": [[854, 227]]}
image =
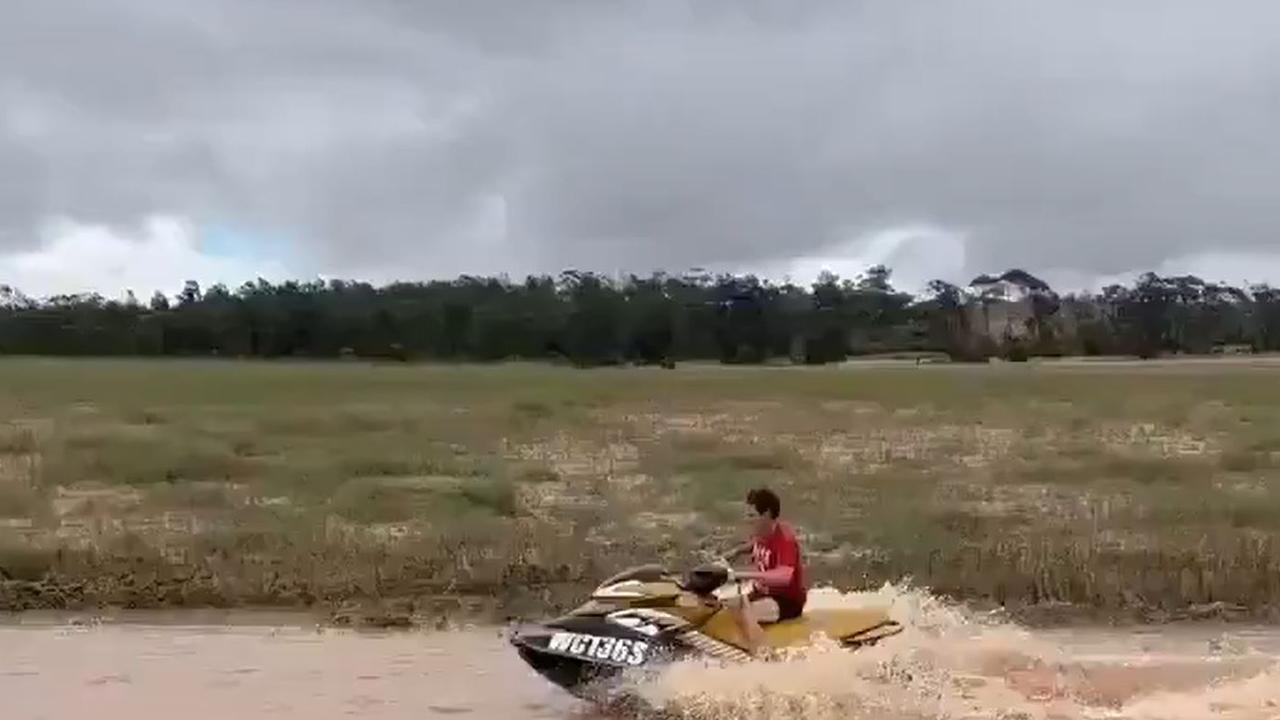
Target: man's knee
{"points": [[765, 610]]}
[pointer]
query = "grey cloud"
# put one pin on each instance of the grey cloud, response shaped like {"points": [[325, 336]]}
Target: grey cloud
{"points": [[1087, 136]]}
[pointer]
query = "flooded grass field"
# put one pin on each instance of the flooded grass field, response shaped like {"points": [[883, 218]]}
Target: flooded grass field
{"points": [[1015, 499], [401, 494]]}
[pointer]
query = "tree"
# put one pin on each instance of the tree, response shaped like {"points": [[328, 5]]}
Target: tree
{"points": [[947, 321], [591, 319], [190, 294]]}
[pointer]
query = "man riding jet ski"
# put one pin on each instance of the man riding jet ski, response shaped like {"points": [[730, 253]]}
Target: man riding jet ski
{"points": [[646, 615]]}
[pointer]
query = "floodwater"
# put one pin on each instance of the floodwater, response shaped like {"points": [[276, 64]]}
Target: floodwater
{"points": [[243, 671], [948, 664]]}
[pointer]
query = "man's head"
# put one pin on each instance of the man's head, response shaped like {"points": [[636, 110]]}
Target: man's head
{"points": [[762, 510]]}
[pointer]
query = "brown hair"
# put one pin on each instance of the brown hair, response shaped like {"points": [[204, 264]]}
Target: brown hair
{"points": [[765, 501]]}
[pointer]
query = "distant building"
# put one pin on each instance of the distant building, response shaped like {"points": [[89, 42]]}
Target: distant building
{"points": [[1011, 309], [1013, 286]]}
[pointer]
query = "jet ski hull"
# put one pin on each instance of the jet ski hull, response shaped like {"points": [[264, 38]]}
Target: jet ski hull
{"points": [[573, 676], [583, 655]]}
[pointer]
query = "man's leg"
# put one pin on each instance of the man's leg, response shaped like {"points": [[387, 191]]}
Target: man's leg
{"points": [[750, 615]]}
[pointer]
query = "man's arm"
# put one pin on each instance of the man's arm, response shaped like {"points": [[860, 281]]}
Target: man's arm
{"points": [[737, 550], [776, 577], [781, 574]]}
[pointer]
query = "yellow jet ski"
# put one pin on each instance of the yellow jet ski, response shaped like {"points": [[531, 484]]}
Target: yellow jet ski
{"points": [[646, 615]]}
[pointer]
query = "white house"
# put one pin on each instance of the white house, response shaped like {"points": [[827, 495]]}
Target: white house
{"points": [[1013, 286]]}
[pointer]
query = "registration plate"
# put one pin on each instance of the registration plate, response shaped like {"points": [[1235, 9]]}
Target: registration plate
{"points": [[618, 651]]}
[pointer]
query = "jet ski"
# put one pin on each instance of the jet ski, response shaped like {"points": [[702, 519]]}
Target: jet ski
{"points": [[645, 616]]}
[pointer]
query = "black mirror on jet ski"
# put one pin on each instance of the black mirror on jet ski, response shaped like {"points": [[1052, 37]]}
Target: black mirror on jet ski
{"points": [[706, 579]]}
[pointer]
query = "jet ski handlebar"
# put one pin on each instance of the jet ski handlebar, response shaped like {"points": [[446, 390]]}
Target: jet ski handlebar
{"points": [[706, 579]]}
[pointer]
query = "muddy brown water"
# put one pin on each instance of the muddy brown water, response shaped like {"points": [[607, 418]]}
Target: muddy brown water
{"points": [[948, 664], [248, 670]]}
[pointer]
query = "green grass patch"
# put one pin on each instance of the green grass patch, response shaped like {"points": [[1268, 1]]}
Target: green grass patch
{"points": [[535, 473], [26, 563], [17, 440], [744, 458], [139, 455], [368, 500], [1153, 470], [1244, 461], [20, 501]]}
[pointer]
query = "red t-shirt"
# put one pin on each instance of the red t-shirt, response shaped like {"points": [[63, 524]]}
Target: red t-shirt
{"points": [[778, 549]]}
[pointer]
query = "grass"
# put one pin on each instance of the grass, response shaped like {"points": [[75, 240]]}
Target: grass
{"points": [[1105, 486], [19, 502], [16, 439], [373, 501]]}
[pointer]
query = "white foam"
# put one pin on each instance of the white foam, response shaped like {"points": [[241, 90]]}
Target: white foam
{"points": [[952, 663]]}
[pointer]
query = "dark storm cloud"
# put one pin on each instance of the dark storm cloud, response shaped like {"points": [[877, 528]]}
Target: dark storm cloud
{"points": [[1093, 136]]}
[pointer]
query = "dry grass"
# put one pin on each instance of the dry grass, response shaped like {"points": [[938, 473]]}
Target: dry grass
{"points": [[1105, 486], [19, 502]]}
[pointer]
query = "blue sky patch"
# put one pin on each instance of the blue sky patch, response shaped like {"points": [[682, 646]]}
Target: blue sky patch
{"points": [[231, 242]]}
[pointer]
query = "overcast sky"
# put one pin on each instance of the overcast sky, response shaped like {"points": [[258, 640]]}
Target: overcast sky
{"points": [[146, 141]]}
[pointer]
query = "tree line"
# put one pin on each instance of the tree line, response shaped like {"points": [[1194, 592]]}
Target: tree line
{"points": [[589, 319]]}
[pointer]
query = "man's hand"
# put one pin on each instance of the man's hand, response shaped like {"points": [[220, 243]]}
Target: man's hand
{"points": [[731, 576]]}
